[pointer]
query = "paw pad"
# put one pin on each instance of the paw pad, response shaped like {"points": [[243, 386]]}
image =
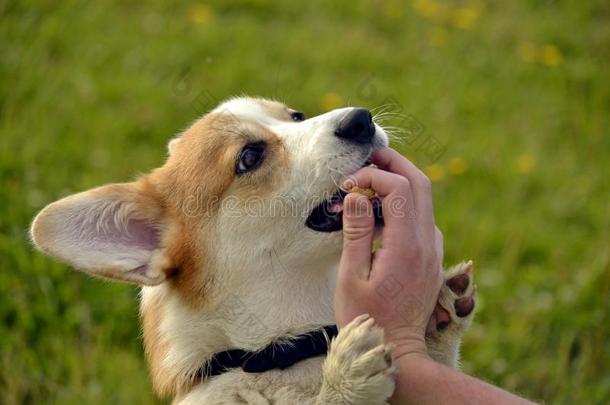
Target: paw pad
{"points": [[464, 306], [459, 283], [457, 299]]}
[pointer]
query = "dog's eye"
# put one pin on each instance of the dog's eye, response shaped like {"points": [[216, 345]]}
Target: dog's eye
{"points": [[250, 157], [297, 116]]}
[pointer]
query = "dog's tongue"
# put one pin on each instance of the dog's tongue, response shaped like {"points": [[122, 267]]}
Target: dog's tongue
{"points": [[335, 207]]}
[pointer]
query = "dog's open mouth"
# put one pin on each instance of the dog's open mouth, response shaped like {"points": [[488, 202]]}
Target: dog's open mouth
{"points": [[328, 216]]}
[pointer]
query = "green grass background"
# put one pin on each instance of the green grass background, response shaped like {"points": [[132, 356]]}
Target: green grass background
{"points": [[517, 92]]}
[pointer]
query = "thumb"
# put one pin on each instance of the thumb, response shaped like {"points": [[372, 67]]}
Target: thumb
{"points": [[358, 234]]}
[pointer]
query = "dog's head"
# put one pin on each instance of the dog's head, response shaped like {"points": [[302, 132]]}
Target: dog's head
{"points": [[250, 187], [251, 175]]}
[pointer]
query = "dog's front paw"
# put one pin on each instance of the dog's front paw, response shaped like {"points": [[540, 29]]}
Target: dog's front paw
{"points": [[358, 368], [457, 296], [454, 314]]}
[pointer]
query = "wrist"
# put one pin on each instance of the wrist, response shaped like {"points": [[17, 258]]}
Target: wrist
{"points": [[408, 342], [417, 378], [415, 367]]}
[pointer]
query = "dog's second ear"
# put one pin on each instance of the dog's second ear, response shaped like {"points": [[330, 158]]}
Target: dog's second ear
{"points": [[112, 231]]}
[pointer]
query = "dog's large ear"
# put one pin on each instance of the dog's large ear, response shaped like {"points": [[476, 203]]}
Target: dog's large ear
{"points": [[111, 231]]}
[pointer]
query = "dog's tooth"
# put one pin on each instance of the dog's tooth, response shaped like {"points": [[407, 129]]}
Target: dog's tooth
{"points": [[336, 206]]}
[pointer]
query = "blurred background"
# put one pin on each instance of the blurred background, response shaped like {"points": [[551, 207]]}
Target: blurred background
{"points": [[504, 104]]}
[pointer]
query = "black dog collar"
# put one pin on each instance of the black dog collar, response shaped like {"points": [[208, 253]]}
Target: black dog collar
{"points": [[276, 355]]}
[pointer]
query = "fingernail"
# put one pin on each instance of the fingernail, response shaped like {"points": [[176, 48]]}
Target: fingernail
{"points": [[348, 183]]}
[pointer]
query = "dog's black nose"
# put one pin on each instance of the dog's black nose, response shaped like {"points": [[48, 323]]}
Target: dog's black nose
{"points": [[357, 126]]}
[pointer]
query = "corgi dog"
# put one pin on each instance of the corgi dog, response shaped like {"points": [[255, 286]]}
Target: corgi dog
{"points": [[236, 242]]}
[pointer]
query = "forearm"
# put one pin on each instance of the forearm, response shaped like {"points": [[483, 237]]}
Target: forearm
{"points": [[420, 380]]}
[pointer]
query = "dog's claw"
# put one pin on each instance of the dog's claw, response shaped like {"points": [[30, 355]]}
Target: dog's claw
{"points": [[441, 326]]}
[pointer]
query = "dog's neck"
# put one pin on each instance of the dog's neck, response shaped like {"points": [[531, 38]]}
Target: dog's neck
{"points": [[288, 301]]}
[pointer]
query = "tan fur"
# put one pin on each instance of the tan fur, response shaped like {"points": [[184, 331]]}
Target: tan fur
{"points": [[155, 349], [200, 166], [276, 109]]}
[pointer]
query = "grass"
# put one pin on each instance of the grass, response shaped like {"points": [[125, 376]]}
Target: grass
{"points": [[516, 93]]}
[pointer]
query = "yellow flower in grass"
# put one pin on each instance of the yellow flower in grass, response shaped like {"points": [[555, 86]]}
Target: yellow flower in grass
{"points": [[466, 17], [429, 8], [201, 13], [330, 101], [550, 55], [524, 164], [435, 172], [457, 166]]}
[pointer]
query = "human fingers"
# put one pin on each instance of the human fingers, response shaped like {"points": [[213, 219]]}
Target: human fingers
{"points": [[396, 200], [358, 234], [392, 161]]}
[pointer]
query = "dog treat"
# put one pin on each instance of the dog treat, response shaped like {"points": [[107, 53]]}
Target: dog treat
{"points": [[367, 192]]}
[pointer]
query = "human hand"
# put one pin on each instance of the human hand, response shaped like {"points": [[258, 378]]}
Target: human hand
{"points": [[399, 284]]}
